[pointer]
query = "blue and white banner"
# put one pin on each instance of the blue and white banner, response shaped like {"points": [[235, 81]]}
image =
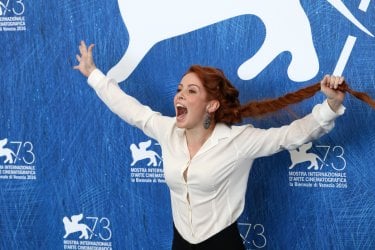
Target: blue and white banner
{"points": [[75, 176]]}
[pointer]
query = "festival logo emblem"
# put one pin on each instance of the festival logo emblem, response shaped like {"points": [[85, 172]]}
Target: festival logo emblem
{"points": [[12, 15], [79, 235], [142, 152], [18, 160], [300, 155], [6, 152], [308, 169], [72, 226], [146, 165], [161, 20]]}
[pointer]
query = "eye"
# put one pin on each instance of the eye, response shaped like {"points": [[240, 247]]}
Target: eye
{"points": [[192, 91]]}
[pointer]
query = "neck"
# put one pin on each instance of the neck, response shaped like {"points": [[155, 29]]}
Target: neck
{"points": [[195, 138], [197, 135]]}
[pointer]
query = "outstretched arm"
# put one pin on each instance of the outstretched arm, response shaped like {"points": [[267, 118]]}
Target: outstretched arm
{"points": [[125, 106], [306, 129], [86, 61]]}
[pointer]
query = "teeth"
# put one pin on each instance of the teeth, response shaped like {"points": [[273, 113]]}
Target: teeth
{"points": [[181, 109]]}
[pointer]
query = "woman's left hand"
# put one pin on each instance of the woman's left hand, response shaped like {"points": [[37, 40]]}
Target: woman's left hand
{"points": [[329, 86]]}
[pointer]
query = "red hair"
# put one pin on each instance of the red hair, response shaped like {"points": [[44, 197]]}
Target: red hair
{"points": [[220, 88], [231, 111]]}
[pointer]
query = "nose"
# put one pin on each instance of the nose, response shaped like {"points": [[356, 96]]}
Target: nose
{"points": [[180, 96]]}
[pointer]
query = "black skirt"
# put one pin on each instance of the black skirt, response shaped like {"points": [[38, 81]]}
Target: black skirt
{"points": [[227, 239]]}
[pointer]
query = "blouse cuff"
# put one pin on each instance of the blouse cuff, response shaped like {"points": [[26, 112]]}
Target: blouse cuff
{"points": [[95, 77], [329, 113], [324, 114]]}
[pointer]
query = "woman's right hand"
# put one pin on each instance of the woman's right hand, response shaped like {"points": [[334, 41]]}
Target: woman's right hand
{"points": [[86, 62]]}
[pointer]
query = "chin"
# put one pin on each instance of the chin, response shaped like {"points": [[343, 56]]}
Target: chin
{"points": [[179, 124]]}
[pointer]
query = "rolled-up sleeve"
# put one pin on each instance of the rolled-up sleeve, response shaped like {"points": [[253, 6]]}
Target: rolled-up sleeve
{"points": [[325, 115]]}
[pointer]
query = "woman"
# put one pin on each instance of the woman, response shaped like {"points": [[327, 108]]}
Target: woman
{"points": [[206, 158]]}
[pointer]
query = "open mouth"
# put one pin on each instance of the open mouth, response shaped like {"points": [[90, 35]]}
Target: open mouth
{"points": [[181, 111]]}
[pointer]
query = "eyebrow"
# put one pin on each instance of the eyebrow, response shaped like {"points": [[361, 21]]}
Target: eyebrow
{"points": [[189, 84]]}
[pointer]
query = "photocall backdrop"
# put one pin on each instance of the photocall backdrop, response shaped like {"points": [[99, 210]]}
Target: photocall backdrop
{"points": [[75, 176]]}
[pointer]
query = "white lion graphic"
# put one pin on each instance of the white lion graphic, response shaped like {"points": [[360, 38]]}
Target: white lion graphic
{"points": [[9, 154], [300, 155], [286, 23], [141, 153], [72, 226]]}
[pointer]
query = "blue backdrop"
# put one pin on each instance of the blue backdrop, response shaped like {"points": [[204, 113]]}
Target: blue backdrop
{"points": [[68, 179]]}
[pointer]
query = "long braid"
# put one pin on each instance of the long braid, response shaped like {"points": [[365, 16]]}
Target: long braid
{"points": [[258, 108], [359, 95]]}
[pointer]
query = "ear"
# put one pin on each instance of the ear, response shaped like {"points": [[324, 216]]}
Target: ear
{"points": [[212, 106]]}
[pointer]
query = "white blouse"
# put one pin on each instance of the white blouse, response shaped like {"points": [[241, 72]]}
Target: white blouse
{"points": [[213, 195]]}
